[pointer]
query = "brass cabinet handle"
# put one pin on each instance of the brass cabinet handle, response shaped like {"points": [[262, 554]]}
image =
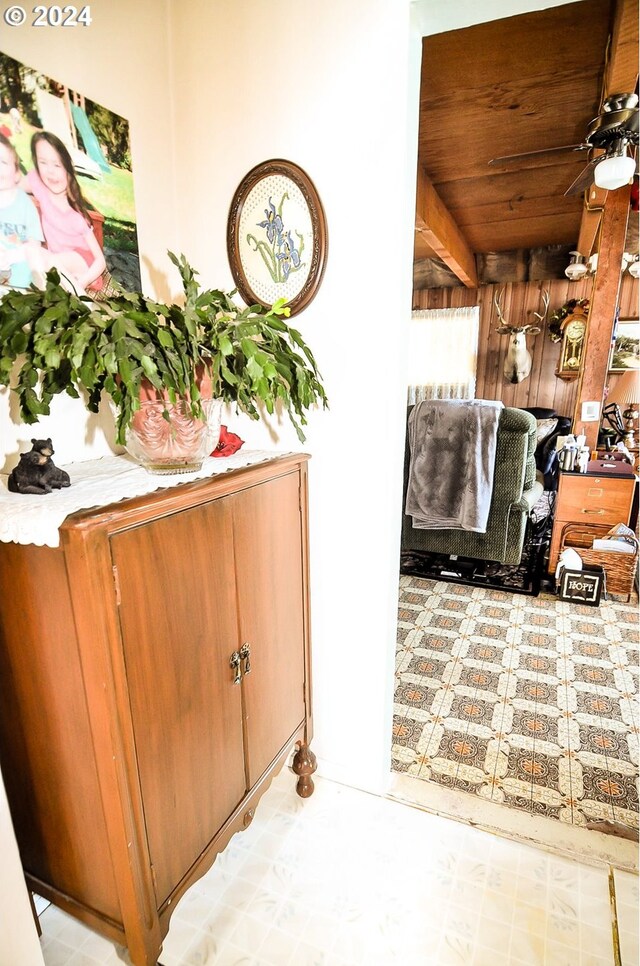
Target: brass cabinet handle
{"points": [[245, 655], [597, 512], [234, 664]]}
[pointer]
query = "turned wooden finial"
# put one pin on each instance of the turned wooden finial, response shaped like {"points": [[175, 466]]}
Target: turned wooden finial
{"points": [[304, 764]]}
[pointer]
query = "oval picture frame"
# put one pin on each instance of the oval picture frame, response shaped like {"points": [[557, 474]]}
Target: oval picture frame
{"points": [[277, 236]]}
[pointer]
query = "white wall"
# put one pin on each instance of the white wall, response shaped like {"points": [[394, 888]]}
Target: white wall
{"points": [[323, 85], [18, 937]]}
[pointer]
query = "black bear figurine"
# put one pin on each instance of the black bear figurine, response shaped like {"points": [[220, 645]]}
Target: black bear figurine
{"points": [[36, 472]]}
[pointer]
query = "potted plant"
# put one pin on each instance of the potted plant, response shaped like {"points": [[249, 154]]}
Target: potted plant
{"points": [[137, 350]]}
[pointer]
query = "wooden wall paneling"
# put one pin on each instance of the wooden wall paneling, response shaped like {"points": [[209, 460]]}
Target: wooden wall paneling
{"points": [[445, 298], [553, 392], [498, 384], [486, 358], [520, 301], [535, 343], [494, 346], [629, 297], [495, 358], [483, 346], [520, 315], [508, 297]]}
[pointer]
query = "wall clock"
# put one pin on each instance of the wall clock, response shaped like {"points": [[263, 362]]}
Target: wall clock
{"points": [[574, 330], [277, 236]]}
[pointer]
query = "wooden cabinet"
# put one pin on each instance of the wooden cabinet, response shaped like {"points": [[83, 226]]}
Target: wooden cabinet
{"points": [[154, 674], [589, 498]]}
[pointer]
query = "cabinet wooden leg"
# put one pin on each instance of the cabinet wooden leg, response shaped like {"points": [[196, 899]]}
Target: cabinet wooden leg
{"points": [[304, 764]]}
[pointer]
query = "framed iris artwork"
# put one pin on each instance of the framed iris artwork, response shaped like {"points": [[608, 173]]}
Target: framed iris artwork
{"points": [[277, 236]]}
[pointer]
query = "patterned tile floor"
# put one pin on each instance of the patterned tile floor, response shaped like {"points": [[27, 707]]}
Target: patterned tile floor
{"points": [[526, 701], [351, 879]]}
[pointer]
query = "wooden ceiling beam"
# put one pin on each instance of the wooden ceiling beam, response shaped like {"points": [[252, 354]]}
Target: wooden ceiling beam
{"points": [[421, 247], [441, 233]]}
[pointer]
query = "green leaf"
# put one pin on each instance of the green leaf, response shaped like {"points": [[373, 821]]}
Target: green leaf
{"points": [[249, 347], [149, 367], [124, 369], [254, 368], [165, 338], [33, 405], [226, 347]]}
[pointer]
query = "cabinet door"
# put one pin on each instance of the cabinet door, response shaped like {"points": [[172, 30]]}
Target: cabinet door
{"points": [[179, 629], [267, 523]]}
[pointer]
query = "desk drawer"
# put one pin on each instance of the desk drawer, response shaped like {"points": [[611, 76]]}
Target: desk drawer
{"points": [[593, 498]]}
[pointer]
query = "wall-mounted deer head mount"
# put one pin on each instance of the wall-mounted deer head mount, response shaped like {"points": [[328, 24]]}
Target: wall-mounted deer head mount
{"points": [[517, 364]]}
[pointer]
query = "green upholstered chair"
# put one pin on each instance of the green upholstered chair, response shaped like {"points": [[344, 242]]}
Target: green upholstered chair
{"points": [[515, 493]]}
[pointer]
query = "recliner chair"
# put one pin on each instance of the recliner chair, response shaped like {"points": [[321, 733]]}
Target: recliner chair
{"points": [[515, 493], [546, 455]]}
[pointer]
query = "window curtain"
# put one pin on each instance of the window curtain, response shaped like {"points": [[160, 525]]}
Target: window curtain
{"points": [[443, 348]]}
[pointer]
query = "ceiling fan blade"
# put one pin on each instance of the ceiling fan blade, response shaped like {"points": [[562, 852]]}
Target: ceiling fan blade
{"points": [[584, 179], [510, 158]]}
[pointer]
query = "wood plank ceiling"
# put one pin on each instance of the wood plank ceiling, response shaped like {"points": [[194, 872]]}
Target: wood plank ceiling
{"points": [[506, 87]]}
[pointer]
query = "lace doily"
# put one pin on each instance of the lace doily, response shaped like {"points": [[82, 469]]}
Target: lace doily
{"points": [[31, 518]]}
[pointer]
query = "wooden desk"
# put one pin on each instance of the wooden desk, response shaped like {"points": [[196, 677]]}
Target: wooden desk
{"points": [[590, 497]]}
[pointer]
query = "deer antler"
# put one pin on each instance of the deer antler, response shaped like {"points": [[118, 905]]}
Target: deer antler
{"points": [[504, 326], [541, 316]]}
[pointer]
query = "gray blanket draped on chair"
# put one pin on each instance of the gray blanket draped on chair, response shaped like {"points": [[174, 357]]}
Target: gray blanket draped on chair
{"points": [[453, 449]]}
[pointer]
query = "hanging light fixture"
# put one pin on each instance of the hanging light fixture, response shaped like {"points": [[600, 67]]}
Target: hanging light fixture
{"points": [[634, 266], [615, 168], [577, 267]]}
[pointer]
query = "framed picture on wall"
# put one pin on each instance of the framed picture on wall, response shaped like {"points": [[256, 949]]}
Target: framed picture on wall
{"points": [[69, 203], [625, 353], [277, 236]]}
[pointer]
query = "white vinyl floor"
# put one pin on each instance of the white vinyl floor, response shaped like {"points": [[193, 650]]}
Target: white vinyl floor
{"points": [[350, 878]]}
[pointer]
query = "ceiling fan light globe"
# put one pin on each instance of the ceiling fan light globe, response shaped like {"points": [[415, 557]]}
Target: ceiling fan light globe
{"points": [[575, 271], [634, 267], [614, 172], [577, 267]]}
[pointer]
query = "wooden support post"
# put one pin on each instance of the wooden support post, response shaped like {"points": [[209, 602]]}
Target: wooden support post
{"points": [[604, 301]]}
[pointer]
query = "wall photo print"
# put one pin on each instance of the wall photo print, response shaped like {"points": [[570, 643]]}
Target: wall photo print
{"points": [[66, 187], [626, 349]]}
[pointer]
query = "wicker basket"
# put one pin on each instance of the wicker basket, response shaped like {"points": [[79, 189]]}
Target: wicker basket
{"points": [[620, 568]]}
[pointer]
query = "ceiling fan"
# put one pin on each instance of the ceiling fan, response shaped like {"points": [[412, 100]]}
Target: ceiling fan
{"points": [[612, 132]]}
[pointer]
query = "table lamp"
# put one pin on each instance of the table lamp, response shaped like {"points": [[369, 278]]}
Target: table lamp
{"points": [[626, 395]]}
